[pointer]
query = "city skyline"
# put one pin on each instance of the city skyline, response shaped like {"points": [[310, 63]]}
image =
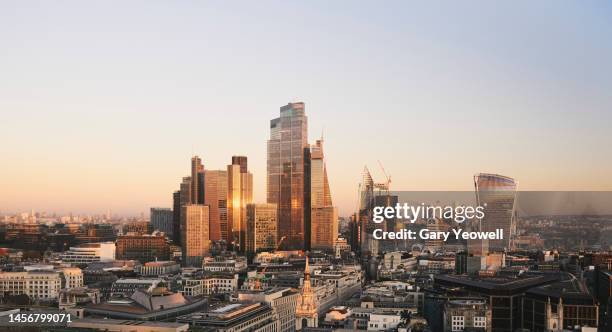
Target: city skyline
{"points": [[106, 119]]}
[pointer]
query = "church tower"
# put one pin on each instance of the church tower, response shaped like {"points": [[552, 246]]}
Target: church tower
{"points": [[306, 312]]}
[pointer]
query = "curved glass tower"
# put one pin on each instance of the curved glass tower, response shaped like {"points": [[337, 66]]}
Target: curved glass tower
{"points": [[497, 193]]}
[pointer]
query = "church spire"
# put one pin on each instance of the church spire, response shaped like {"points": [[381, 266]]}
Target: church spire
{"points": [[306, 312]]}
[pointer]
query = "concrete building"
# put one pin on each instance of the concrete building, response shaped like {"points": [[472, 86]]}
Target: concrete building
{"points": [[261, 231], [122, 325], [161, 220], [73, 277], [38, 285], [461, 315], [235, 317], [215, 196], [158, 268], [90, 252], [194, 234], [282, 300], [142, 247], [219, 284]]}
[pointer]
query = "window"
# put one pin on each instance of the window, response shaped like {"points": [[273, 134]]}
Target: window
{"points": [[457, 323], [480, 321]]}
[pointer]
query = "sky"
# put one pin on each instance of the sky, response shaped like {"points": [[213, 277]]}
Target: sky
{"points": [[102, 104]]}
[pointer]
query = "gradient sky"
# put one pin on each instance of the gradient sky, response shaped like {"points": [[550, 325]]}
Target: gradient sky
{"points": [[103, 103]]}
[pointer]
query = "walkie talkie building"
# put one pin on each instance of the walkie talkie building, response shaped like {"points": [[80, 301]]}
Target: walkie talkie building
{"points": [[497, 193]]}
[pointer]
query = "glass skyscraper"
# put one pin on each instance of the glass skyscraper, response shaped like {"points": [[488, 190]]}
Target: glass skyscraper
{"points": [[497, 194], [287, 182], [323, 216], [239, 195]]}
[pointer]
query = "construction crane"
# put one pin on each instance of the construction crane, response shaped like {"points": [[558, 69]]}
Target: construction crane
{"points": [[383, 186]]}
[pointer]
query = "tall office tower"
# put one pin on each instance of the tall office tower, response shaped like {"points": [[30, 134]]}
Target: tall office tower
{"points": [[323, 216], [215, 196], [496, 193], [176, 217], [319, 184], [161, 220], [261, 234], [180, 198], [367, 243], [197, 181], [383, 198], [194, 234], [239, 194], [286, 182], [324, 230]]}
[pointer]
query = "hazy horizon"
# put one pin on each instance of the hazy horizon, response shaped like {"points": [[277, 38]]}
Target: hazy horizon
{"points": [[102, 105]]}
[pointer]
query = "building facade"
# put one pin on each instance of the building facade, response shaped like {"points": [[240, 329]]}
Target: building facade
{"points": [[38, 285], [215, 196], [496, 193], [261, 227], [89, 253], [161, 220], [143, 248], [287, 185], [194, 234], [239, 195]]}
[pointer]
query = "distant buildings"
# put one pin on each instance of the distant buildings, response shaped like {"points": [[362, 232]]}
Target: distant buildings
{"points": [[143, 248], [262, 227], [157, 268], [90, 252], [161, 220], [215, 196], [194, 234]]}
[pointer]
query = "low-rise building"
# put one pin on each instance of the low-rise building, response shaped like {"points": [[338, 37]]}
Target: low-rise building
{"points": [[158, 268], [219, 284], [235, 317], [282, 301], [90, 252], [38, 285], [461, 315]]}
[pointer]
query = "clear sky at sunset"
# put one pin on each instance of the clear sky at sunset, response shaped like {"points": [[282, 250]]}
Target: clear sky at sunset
{"points": [[102, 104]]}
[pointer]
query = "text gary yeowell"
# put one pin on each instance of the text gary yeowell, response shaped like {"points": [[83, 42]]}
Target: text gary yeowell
{"points": [[412, 213]]}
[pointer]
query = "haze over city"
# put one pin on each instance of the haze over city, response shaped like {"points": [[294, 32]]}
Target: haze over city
{"points": [[103, 105]]}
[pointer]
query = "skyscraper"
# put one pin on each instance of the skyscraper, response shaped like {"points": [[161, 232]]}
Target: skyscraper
{"points": [[215, 196], [496, 193], [180, 198], [323, 216], [239, 194], [261, 227], [176, 217], [197, 181], [161, 220], [194, 234], [286, 182]]}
